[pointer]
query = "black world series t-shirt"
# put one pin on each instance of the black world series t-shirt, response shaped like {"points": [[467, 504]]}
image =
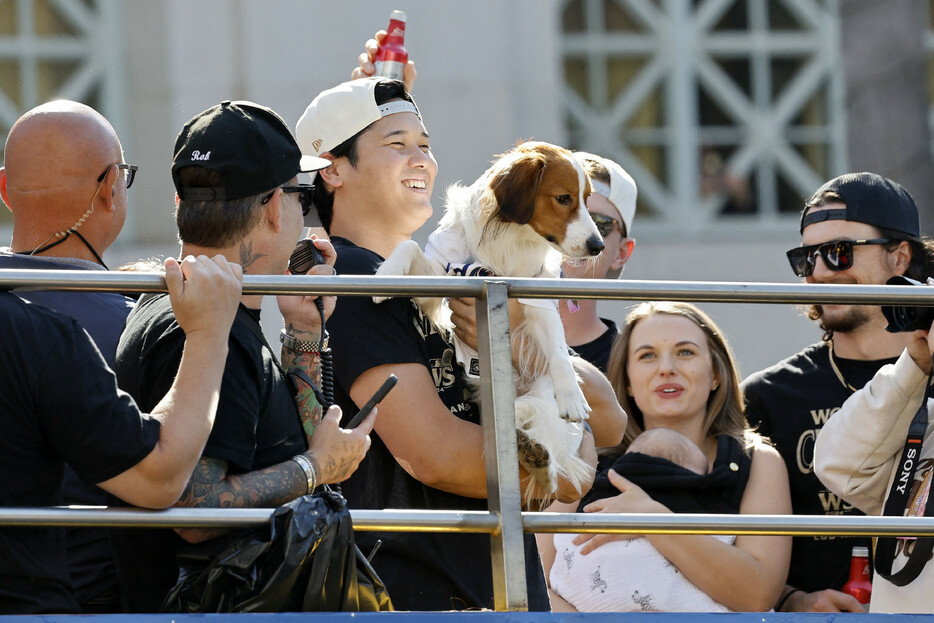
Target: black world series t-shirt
{"points": [[790, 402], [257, 425], [422, 571]]}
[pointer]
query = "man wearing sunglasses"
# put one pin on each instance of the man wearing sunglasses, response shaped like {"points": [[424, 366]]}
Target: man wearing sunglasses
{"points": [[65, 181], [612, 206], [235, 170], [859, 228]]}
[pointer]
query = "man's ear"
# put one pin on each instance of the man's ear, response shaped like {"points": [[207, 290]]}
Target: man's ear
{"points": [[332, 174], [3, 190], [625, 252], [105, 197], [902, 257], [272, 212]]}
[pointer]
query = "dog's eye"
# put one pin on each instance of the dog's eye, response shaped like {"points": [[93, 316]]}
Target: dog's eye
{"points": [[564, 199]]}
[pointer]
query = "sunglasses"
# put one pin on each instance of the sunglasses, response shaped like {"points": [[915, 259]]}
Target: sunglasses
{"points": [[305, 196], [606, 224], [129, 172], [837, 255]]}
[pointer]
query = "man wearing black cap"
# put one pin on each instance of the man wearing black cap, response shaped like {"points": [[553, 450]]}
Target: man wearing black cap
{"points": [[859, 228], [235, 170]]}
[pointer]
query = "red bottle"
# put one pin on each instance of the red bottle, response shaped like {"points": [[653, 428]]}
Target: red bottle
{"points": [[859, 585], [391, 57]]}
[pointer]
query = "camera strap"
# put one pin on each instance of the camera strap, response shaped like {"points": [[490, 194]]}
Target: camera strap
{"points": [[897, 501]]}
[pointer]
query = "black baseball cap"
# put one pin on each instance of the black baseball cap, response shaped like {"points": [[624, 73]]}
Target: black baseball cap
{"points": [[248, 144], [870, 199]]}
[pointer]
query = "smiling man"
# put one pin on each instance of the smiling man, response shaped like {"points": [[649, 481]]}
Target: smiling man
{"points": [[427, 452], [859, 228]]}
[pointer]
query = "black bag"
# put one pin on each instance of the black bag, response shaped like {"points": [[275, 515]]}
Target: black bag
{"points": [[306, 560]]}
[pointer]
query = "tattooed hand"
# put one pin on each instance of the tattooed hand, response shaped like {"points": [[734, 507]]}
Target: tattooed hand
{"points": [[337, 451]]}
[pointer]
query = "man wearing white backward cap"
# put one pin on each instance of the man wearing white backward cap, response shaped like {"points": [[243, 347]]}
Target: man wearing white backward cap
{"points": [[612, 205], [427, 450]]}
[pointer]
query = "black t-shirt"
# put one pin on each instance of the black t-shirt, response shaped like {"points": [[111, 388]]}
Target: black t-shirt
{"points": [[597, 351], [257, 425], [58, 402], [102, 315], [423, 571], [790, 402]]}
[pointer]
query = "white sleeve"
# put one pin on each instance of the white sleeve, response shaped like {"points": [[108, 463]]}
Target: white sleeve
{"points": [[858, 448]]}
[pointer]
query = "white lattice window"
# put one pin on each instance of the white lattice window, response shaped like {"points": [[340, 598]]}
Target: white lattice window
{"points": [[716, 107], [52, 49]]}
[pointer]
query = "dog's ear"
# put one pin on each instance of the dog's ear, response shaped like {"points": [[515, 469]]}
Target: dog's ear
{"points": [[516, 187]]}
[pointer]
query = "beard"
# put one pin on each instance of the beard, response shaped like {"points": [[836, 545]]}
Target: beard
{"points": [[842, 319]]}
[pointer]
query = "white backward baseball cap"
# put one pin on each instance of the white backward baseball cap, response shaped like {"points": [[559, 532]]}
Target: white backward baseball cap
{"points": [[621, 192], [339, 113]]}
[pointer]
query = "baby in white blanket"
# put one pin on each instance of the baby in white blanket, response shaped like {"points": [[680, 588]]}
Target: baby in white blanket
{"points": [[630, 575]]}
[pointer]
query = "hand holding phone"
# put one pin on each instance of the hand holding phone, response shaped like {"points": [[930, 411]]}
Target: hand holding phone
{"points": [[375, 399]]}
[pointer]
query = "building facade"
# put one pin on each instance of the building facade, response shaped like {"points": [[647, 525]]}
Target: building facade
{"points": [[728, 113]]}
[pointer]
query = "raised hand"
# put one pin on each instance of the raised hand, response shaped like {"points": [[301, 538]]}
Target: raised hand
{"points": [[366, 68]]}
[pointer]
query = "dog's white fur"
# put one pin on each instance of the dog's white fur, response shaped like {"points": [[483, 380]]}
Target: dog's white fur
{"points": [[550, 404]]}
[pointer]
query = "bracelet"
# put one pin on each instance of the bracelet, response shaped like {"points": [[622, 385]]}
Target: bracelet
{"points": [[310, 471], [305, 346], [781, 602]]}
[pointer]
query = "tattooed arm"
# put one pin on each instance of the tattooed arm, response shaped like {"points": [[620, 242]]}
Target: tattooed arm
{"points": [[303, 322], [335, 452], [310, 409]]}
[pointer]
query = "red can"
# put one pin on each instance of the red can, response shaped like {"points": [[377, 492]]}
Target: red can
{"points": [[391, 56]]}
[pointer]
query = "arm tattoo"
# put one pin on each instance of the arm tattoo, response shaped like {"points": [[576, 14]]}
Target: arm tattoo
{"points": [[247, 257], [212, 487], [309, 408]]}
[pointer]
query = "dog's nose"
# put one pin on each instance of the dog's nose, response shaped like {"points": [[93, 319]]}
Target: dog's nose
{"points": [[595, 245]]}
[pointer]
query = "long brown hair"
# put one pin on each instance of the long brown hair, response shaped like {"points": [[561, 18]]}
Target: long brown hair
{"points": [[724, 406]]}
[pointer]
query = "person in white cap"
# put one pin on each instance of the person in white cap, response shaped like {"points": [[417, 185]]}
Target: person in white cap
{"points": [[427, 450], [612, 206]]}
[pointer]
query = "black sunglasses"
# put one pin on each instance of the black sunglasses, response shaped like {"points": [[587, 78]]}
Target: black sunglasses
{"points": [[837, 255], [130, 172], [305, 196], [606, 224]]}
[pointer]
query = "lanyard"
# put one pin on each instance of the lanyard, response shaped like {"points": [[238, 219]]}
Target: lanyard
{"points": [[897, 502]]}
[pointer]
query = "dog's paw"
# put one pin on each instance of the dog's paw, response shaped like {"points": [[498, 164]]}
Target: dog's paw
{"points": [[573, 407], [534, 457], [380, 299]]}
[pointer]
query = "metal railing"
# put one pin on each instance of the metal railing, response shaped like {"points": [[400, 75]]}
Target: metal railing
{"points": [[505, 522]]}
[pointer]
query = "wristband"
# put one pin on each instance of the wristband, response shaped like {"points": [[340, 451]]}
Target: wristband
{"points": [[305, 346], [781, 602], [310, 471]]}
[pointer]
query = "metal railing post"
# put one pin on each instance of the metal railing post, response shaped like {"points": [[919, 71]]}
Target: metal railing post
{"points": [[497, 399]]}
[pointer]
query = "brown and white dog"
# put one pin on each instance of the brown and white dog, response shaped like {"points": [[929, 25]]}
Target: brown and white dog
{"points": [[520, 219]]}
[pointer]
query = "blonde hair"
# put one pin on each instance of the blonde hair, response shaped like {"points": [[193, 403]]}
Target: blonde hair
{"points": [[725, 411]]}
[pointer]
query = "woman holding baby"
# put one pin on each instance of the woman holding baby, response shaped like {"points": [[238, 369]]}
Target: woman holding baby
{"points": [[674, 374]]}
